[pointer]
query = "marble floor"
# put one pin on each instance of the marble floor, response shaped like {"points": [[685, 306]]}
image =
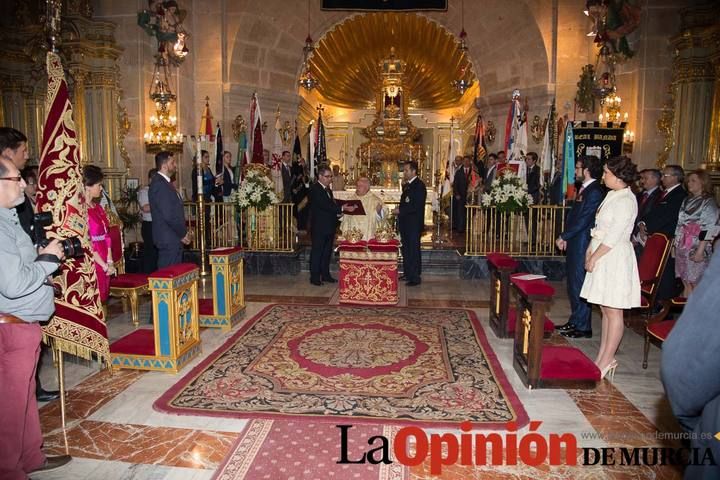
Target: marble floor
{"points": [[113, 432]]}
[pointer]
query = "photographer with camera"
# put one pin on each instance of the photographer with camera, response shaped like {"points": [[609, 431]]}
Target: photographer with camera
{"points": [[26, 298]]}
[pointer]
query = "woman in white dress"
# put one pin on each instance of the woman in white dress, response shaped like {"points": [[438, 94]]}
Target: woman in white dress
{"points": [[612, 281]]}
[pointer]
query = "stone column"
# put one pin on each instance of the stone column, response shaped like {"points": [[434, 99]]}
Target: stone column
{"points": [[712, 161], [693, 107]]}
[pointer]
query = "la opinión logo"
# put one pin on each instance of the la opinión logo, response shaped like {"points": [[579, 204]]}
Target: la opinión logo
{"points": [[531, 448]]}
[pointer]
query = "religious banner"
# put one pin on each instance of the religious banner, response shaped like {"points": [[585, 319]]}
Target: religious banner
{"points": [[369, 5], [78, 325], [590, 138], [256, 140]]}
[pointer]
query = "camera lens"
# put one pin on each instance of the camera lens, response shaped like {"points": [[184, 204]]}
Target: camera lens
{"points": [[72, 247]]}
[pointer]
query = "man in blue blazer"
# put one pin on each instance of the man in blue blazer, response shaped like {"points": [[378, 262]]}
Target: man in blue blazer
{"points": [[168, 229], [575, 241]]}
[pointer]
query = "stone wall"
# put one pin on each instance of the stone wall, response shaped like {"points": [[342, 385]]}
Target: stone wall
{"points": [[238, 47]]}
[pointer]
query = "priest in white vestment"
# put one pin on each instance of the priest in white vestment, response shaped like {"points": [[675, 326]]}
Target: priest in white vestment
{"points": [[373, 207]]}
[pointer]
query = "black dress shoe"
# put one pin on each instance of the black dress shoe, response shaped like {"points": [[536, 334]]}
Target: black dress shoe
{"points": [[329, 280], [577, 334], [566, 327], [412, 283], [402, 277], [316, 282], [45, 396]]}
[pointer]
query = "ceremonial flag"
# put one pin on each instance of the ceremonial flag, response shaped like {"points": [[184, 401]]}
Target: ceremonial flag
{"points": [[516, 131], [297, 149], [219, 149], [547, 158], [276, 156], [321, 148], [449, 165], [256, 140], [206, 127], [479, 150], [242, 156], [78, 326], [312, 143], [569, 161]]}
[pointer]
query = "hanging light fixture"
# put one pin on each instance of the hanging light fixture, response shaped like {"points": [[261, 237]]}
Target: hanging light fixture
{"points": [[163, 134], [307, 80], [462, 84]]}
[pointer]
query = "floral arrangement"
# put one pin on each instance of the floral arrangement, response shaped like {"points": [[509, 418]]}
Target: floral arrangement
{"points": [[256, 190], [508, 194]]}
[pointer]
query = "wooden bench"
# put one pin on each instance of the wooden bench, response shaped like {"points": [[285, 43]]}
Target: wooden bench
{"points": [[538, 365]]}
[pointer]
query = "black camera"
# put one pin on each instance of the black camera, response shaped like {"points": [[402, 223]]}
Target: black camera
{"points": [[71, 246]]}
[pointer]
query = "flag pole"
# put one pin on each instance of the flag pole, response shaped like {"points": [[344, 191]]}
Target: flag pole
{"points": [[52, 25]]}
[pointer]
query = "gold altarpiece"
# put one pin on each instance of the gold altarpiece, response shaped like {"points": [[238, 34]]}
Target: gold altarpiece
{"points": [[90, 56], [392, 138]]}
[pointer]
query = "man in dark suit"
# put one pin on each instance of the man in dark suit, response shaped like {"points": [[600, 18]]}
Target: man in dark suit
{"points": [[324, 215], [556, 185], [533, 176], [411, 221], [168, 226], [575, 240], [663, 218], [286, 174], [461, 181], [650, 182]]}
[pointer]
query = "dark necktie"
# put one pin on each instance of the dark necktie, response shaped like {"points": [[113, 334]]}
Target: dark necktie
{"points": [[644, 199]]}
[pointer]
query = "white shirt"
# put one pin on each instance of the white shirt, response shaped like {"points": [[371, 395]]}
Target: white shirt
{"points": [[144, 200], [671, 189]]}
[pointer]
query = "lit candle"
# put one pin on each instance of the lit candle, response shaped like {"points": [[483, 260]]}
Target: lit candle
{"points": [[626, 116], [601, 118]]}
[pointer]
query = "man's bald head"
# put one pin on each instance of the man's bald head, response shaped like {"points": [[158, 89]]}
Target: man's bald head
{"points": [[362, 186]]}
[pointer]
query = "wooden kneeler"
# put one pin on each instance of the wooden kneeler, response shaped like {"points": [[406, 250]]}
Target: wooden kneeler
{"points": [[226, 307], [548, 366], [503, 317], [174, 339]]}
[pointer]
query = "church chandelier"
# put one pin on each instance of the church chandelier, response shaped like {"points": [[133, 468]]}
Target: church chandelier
{"points": [[462, 83], [163, 134], [307, 80]]}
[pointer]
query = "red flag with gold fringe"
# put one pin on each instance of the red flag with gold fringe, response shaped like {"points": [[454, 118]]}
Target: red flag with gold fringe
{"points": [[78, 326]]}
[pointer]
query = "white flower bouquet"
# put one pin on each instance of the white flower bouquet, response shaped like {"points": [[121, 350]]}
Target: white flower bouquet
{"points": [[508, 194], [256, 190]]}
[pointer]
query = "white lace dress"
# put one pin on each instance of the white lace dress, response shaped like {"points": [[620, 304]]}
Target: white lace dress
{"points": [[615, 281]]}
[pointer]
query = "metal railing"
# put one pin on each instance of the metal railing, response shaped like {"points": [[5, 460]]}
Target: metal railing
{"points": [[272, 230], [220, 224], [530, 233]]}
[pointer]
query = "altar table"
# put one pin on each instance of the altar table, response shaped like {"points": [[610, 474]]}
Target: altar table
{"points": [[369, 272]]}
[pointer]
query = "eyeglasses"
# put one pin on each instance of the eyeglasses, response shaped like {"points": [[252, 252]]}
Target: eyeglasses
{"points": [[14, 179], [669, 175]]}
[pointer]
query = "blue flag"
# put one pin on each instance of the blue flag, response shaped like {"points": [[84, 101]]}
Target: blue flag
{"points": [[568, 158]]}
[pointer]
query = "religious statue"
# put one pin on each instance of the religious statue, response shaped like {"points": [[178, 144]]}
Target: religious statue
{"points": [[373, 207], [164, 21]]}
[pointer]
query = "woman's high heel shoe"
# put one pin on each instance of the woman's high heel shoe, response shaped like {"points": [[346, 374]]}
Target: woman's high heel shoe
{"points": [[609, 370]]}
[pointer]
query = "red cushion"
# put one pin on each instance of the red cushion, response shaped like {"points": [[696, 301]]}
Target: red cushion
{"points": [[533, 287], [567, 363], [502, 261], [392, 241], [644, 303], [174, 270], [652, 257], [225, 251], [116, 242], [382, 247], [205, 306], [129, 280], [139, 342], [647, 287], [661, 330], [548, 325]]}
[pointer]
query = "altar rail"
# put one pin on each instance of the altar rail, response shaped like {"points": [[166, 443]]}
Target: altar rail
{"points": [[221, 225], [272, 230], [529, 234]]}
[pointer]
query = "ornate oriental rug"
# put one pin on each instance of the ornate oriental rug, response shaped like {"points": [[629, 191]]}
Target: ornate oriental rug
{"points": [[304, 451], [429, 367]]}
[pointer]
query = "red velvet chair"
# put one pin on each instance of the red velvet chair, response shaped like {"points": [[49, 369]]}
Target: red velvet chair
{"points": [[651, 266], [541, 366], [128, 286], [658, 331]]}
